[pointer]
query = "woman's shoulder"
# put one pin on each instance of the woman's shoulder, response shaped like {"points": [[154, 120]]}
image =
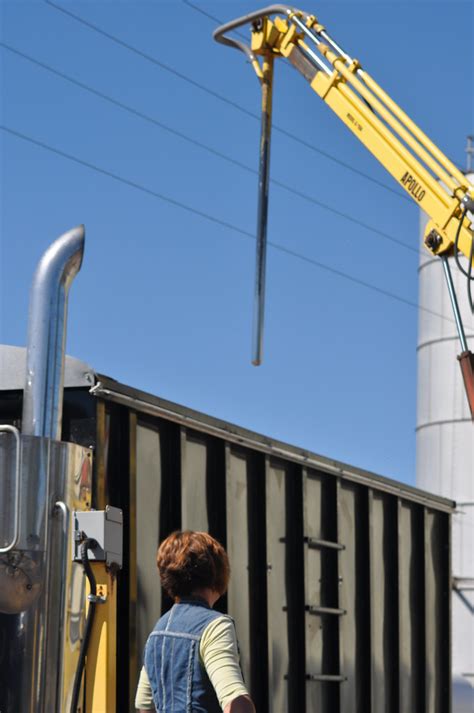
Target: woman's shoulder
{"points": [[221, 628], [219, 648]]}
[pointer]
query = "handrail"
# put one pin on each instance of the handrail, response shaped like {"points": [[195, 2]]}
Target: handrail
{"points": [[16, 520]]}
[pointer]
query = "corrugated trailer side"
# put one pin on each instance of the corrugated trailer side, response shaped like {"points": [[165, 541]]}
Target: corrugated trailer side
{"points": [[341, 579], [340, 583]]}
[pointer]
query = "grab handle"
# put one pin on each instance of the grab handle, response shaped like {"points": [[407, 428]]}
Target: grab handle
{"points": [[16, 516]]}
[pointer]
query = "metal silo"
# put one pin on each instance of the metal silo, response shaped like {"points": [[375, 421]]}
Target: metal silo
{"points": [[445, 446]]}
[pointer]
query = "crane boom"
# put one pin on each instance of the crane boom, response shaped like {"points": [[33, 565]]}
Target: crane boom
{"points": [[436, 185]]}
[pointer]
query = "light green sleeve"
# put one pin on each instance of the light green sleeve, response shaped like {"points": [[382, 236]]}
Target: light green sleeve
{"points": [[144, 697], [220, 656]]}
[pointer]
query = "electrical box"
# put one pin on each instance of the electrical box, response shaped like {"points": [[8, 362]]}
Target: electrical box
{"points": [[104, 526]]}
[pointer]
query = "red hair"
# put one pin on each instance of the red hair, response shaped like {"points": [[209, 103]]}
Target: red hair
{"points": [[188, 561]]}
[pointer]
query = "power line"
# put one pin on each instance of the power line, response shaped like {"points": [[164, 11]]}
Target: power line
{"points": [[201, 11], [126, 181], [221, 97], [215, 220], [203, 146]]}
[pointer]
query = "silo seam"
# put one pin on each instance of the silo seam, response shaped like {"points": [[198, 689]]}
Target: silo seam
{"points": [[443, 423]]}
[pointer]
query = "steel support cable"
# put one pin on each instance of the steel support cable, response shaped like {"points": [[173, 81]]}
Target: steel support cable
{"points": [[221, 97], [219, 154], [218, 221]]}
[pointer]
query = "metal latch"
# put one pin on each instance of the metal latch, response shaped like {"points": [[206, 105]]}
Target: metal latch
{"points": [[103, 526]]}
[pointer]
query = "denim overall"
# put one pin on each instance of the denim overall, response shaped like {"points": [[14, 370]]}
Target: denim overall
{"points": [[178, 680]]}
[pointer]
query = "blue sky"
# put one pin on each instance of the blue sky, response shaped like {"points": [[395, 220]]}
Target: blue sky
{"points": [[164, 298]]}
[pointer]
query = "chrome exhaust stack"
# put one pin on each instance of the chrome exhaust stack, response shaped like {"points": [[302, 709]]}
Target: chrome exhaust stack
{"points": [[41, 481], [43, 394]]}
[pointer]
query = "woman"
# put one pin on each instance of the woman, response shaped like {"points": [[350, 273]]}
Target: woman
{"points": [[191, 656]]}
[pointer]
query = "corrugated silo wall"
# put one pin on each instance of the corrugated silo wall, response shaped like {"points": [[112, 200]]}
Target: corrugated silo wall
{"points": [[445, 447], [340, 580]]}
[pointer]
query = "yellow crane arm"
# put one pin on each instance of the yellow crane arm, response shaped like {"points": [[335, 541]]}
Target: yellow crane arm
{"points": [[440, 189], [415, 162]]}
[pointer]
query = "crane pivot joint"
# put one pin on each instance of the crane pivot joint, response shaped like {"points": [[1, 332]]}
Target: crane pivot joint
{"points": [[433, 241]]}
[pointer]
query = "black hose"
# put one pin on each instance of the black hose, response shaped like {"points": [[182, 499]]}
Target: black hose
{"points": [[470, 277], [456, 245], [468, 272], [87, 544]]}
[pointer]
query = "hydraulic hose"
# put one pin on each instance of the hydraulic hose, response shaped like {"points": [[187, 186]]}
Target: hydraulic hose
{"points": [[87, 544]]}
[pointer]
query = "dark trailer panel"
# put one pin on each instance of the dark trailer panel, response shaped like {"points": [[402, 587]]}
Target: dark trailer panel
{"points": [[340, 583]]}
